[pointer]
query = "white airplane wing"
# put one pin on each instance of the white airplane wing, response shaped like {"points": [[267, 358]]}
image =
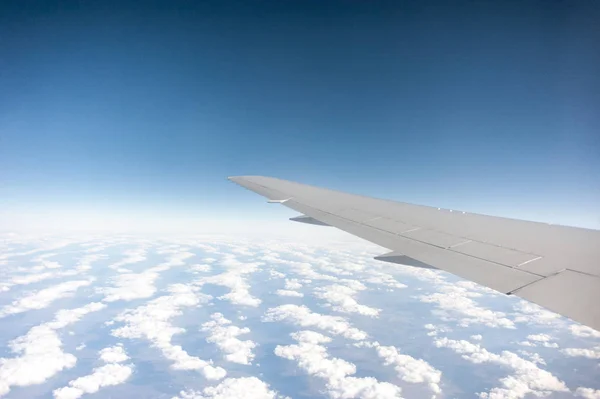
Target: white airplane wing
{"points": [[557, 267]]}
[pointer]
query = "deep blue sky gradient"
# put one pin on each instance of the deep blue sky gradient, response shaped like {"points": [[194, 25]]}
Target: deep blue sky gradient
{"points": [[484, 106]]}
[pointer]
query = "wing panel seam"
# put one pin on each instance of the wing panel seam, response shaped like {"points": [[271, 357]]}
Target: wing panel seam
{"points": [[422, 242]]}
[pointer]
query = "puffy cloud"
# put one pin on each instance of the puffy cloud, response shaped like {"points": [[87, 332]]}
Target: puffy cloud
{"points": [[46, 264], [528, 312], [314, 359], [275, 273], [588, 393], [411, 369], [130, 286], [31, 278], [539, 337], [583, 331], [225, 336], [43, 298], [107, 375], [292, 284], [534, 357], [435, 330], [131, 256], [152, 322], [65, 317], [340, 298], [40, 351], [234, 280], [113, 354], [385, 279], [593, 353], [306, 270], [234, 388], [477, 337], [303, 316], [289, 293], [200, 267], [82, 266], [528, 378], [408, 368], [455, 302]]}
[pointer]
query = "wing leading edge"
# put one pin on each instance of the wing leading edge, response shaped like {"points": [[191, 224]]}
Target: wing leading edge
{"points": [[557, 267]]}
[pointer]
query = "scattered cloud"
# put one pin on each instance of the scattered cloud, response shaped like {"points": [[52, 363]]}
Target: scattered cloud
{"points": [[588, 393], [527, 312], [40, 354], [528, 378], [292, 284], [408, 368], [385, 279], [235, 280], [289, 293], [304, 317], [152, 322], [435, 330], [579, 330], [456, 304], [110, 374], [337, 373], [275, 273], [340, 298], [131, 256], [593, 353], [234, 388], [113, 354], [130, 286], [43, 298], [224, 335]]}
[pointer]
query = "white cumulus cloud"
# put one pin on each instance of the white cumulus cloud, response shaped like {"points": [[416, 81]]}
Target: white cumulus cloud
{"points": [[224, 335], [410, 369], [583, 331], [593, 353], [234, 279], [341, 298], [455, 302], [303, 316], [107, 375], [113, 354], [528, 378], [234, 388], [130, 286], [337, 373], [289, 293], [40, 354], [152, 322], [588, 393], [110, 374], [43, 298]]}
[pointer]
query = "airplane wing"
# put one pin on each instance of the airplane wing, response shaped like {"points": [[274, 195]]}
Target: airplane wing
{"points": [[557, 267]]}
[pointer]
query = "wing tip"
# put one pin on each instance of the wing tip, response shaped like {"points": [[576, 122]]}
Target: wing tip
{"points": [[246, 177]]}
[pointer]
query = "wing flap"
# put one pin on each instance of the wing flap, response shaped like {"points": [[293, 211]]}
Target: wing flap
{"points": [[570, 293], [433, 237], [504, 256], [495, 276]]}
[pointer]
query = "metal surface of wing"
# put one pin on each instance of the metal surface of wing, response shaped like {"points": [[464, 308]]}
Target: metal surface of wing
{"points": [[557, 267]]}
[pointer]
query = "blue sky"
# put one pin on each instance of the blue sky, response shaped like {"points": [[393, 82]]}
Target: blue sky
{"points": [[113, 108]]}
